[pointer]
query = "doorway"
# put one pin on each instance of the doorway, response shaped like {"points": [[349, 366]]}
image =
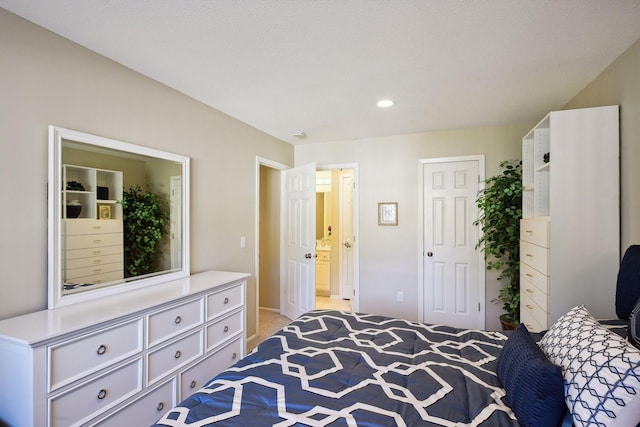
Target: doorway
{"points": [[270, 271]]}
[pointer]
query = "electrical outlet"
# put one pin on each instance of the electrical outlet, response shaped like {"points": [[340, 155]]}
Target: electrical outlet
{"points": [[400, 296], [243, 242]]}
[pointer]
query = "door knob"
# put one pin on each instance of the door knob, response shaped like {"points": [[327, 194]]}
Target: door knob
{"points": [[429, 254], [347, 245], [307, 256]]}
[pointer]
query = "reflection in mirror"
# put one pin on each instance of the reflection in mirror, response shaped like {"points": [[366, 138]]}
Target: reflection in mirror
{"points": [[118, 216]]}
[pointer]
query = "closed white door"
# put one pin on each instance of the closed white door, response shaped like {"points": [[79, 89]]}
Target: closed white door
{"points": [[453, 285], [346, 235], [300, 240]]}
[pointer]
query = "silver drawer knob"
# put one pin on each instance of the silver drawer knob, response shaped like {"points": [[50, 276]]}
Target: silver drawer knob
{"points": [[160, 406], [102, 349], [102, 394], [234, 357], [226, 329], [178, 354], [193, 384], [226, 300], [178, 320]]}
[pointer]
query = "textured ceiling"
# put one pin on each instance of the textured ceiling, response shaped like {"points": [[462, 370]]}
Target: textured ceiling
{"points": [[319, 66]]}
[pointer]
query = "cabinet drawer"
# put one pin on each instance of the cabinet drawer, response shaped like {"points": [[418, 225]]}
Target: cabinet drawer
{"points": [[93, 252], [98, 277], [535, 294], [93, 241], [95, 396], [92, 226], [174, 320], [94, 261], [530, 322], [324, 256], [224, 329], [535, 256], [224, 301], [535, 312], [535, 231], [146, 410], [71, 360], [539, 280], [174, 355], [74, 274], [199, 374]]}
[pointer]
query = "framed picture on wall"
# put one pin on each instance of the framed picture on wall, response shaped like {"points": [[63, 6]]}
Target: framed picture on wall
{"points": [[104, 212], [388, 213]]}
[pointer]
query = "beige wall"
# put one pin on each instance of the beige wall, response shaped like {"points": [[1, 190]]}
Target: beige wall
{"points": [[620, 84], [389, 171], [49, 80]]}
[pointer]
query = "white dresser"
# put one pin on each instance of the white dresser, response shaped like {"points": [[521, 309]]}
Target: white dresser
{"points": [[121, 360], [570, 231]]}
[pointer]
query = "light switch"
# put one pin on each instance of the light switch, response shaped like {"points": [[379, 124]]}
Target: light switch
{"points": [[243, 242]]}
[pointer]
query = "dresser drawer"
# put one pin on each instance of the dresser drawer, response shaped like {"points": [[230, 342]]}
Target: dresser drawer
{"points": [[145, 410], [93, 252], [535, 231], [95, 396], [224, 329], [535, 294], [224, 301], [173, 356], [95, 261], [98, 278], [535, 256], [199, 374], [83, 273], [535, 312], [174, 320], [92, 226], [93, 241], [71, 360], [530, 322]]}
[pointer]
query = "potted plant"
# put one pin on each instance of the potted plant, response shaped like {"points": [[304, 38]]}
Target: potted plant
{"points": [[145, 218], [500, 204]]}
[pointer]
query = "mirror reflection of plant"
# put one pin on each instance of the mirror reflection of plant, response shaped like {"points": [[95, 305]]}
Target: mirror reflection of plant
{"points": [[500, 204], [146, 221]]}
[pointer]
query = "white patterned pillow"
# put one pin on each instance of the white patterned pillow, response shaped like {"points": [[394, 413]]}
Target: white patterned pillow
{"points": [[601, 370]]}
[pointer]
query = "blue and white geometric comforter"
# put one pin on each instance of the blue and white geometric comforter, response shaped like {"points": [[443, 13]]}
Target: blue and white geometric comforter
{"points": [[331, 368]]}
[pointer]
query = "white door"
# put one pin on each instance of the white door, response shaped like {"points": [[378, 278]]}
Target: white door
{"points": [[453, 283], [300, 240], [346, 235]]}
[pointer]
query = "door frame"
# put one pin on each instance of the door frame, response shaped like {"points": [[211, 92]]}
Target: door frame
{"points": [[263, 161], [480, 158], [356, 226]]}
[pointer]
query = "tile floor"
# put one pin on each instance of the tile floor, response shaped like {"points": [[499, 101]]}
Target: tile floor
{"points": [[271, 322]]}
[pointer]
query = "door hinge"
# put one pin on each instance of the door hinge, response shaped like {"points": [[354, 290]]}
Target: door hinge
{"points": [[478, 307]]}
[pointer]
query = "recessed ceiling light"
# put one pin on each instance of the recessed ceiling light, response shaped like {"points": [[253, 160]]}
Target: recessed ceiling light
{"points": [[385, 103]]}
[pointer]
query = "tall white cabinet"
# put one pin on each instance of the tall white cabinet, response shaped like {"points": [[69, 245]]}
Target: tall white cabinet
{"points": [[570, 231], [123, 360]]}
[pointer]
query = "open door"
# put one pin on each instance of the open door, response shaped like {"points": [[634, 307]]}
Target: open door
{"points": [[300, 240]]}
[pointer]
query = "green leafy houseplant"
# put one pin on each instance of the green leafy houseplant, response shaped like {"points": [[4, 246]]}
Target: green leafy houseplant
{"points": [[500, 204], [146, 220]]}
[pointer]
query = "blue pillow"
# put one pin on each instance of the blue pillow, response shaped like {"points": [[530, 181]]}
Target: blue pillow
{"points": [[534, 386]]}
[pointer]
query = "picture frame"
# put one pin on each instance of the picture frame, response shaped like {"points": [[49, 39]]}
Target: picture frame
{"points": [[388, 213], [104, 212]]}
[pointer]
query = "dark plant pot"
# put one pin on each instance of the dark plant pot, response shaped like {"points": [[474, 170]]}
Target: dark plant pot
{"points": [[73, 211], [507, 323]]}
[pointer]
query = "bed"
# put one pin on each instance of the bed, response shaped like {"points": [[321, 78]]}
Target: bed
{"points": [[332, 368]]}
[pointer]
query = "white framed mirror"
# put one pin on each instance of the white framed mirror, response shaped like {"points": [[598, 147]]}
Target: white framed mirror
{"points": [[118, 216]]}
